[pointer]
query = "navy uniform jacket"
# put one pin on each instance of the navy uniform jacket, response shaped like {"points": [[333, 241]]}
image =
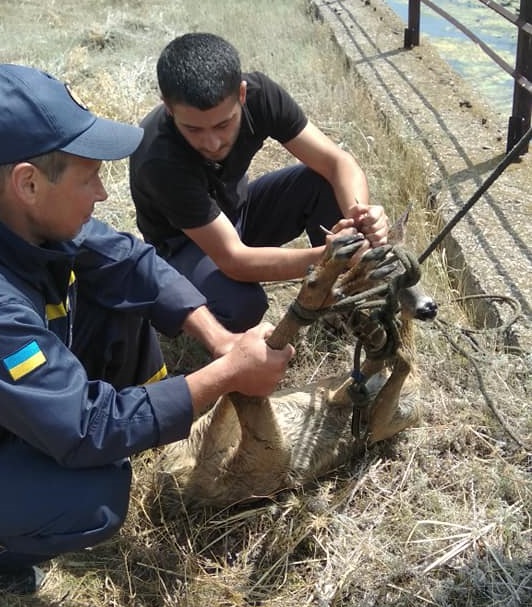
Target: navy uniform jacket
{"points": [[46, 398]]}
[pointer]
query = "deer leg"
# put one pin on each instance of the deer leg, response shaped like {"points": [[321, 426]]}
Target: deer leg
{"points": [[315, 293], [318, 290], [388, 416], [261, 457]]}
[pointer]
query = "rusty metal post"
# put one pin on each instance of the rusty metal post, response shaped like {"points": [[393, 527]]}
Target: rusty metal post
{"points": [[414, 17], [519, 121]]}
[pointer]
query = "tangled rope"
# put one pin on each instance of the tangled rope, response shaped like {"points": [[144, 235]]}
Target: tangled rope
{"points": [[444, 327]]}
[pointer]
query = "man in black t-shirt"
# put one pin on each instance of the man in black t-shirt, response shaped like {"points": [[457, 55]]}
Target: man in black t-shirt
{"points": [[189, 183]]}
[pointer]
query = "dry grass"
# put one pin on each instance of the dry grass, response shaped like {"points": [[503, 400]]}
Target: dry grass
{"points": [[441, 515]]}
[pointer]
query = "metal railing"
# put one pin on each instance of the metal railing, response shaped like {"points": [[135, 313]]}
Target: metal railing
{"points": [[519, 121]]}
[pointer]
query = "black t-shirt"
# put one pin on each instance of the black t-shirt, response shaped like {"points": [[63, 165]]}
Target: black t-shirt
{"points": [[174, 187]]}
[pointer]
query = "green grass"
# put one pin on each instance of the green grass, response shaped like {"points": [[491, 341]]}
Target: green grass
{"points": [[439, 516]]}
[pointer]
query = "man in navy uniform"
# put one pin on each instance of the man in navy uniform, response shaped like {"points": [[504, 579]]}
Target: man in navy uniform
{"points": [[83, 384]]}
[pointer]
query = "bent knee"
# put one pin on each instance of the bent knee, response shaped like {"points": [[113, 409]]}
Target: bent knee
{"points": [[88, 508], [241, 308]]}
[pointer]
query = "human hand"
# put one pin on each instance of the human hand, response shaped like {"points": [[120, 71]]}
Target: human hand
{"points": [[225, 343], [257, 368], [373, 223]]}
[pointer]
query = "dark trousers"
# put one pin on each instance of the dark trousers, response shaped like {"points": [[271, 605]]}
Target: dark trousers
{"points": [[46, 509], [281, 206]]}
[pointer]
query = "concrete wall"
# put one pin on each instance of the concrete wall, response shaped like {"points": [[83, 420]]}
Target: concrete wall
{"points": [[462, 140]]}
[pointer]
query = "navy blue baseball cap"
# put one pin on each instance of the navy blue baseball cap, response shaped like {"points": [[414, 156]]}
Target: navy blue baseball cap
{"points": [[38, 114]]}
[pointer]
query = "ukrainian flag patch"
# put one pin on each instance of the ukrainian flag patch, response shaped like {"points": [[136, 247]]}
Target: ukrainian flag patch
{"points": [[24, 361]]}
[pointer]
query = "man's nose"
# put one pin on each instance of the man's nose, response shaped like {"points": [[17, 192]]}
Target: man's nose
{"points": [[211, 142], [101, 193]]}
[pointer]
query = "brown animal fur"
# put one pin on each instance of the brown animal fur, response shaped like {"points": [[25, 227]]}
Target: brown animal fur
{"points": [[246, 448]]}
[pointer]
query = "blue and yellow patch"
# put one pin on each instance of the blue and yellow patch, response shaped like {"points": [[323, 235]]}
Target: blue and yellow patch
{"points": [[25, 360]]}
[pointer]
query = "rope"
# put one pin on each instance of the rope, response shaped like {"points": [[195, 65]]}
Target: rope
{"points": [[359, 395], [511, 301], [512, 155], [480, 378], [502, 328], [303, 315]]}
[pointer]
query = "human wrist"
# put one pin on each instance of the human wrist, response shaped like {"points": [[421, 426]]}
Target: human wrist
{"points": [[207, 384], [202, 325]]}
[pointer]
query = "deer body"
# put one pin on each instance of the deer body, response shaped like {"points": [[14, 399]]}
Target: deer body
{"points": [[239, 451], [246, 448]]}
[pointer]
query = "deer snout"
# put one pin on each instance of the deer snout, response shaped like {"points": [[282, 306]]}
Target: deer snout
{"points": [[427, 311], [416, 304]]}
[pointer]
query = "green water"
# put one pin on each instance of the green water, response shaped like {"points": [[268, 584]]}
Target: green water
{"points": [[467, 58]]}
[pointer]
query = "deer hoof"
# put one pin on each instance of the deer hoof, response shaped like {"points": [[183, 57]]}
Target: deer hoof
{"points": [[344, 247], [377, 254]]}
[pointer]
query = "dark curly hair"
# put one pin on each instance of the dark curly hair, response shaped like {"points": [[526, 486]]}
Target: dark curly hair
{"points": [[200, 70]]}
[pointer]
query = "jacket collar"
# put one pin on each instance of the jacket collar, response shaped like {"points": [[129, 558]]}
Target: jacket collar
{"points": [[30, 261]]}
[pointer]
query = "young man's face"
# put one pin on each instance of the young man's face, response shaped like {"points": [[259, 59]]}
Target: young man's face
{"points": [[62, 208], [211, 132]]}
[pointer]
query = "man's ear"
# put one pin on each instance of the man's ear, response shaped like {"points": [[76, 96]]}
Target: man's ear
{"points": [[24, 181], [167, 106], [242, 92]]}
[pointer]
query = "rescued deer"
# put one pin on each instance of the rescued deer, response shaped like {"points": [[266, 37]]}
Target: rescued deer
{"points": [[246, 448]]}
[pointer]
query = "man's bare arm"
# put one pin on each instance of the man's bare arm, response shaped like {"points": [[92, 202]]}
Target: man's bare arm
{"points": [[348, 180], [221, 242]]}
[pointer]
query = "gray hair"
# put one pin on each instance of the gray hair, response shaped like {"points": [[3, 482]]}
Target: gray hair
{"points": [[51, 164]]}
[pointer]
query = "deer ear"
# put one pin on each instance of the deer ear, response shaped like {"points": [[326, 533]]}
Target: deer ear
{"points": [[397, 233]]}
